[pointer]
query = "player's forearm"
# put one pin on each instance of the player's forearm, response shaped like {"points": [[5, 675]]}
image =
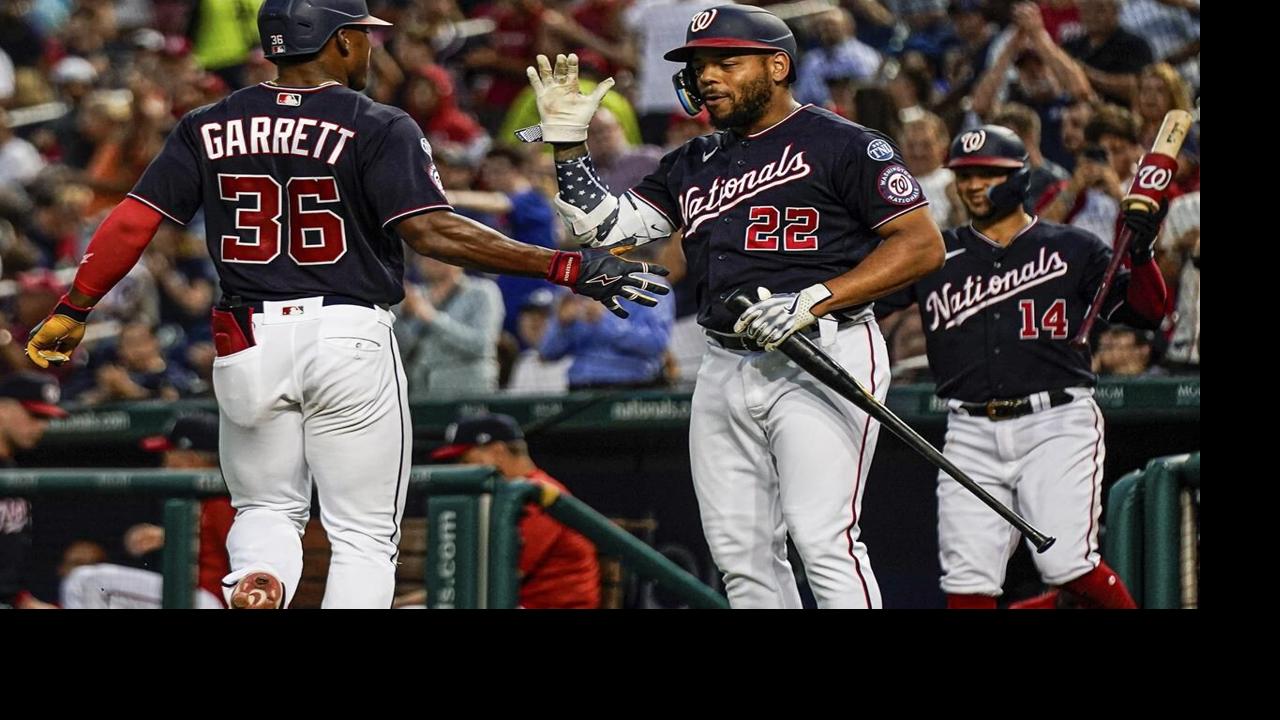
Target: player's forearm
{"points": [[114, 250], [461, 241], [595, 216], [565, 153], [903, 258], [1147, 295]]}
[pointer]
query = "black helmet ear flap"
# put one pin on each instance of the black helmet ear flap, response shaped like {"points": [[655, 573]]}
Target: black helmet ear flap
{"points": [[686, 84], [1011, 194]]}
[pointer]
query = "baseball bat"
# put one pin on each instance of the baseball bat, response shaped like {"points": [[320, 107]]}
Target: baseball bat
{"points": [[1146, 192], [808, 356]]}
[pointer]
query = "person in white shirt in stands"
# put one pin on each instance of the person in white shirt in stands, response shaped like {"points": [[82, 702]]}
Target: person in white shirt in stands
{"points": [[924, 142], [532, 374]]}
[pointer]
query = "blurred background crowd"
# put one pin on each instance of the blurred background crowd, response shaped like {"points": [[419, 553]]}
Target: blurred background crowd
{"points": [[90, 88]]}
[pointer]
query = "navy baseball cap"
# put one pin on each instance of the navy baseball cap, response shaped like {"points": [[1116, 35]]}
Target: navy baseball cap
{"points": [[474, 432], [37, 392], [191, 432]]}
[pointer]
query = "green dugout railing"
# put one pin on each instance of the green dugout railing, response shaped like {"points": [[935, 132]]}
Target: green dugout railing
{"points": [[472, 555], [1153, 532], [473, 547], [1172, 399]]}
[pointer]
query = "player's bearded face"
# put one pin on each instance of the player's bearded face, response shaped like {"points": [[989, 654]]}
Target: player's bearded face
{"points": [[737, 91]]}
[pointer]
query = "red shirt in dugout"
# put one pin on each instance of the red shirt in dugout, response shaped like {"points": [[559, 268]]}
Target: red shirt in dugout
{"points": [[558, 566]]}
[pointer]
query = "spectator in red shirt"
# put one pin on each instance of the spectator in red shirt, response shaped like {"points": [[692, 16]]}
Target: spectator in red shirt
{"points": [[558, 567]]}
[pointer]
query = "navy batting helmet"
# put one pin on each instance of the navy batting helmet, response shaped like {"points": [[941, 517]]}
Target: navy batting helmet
{"points": [[729, 27], [290, 28], [993, 146]]}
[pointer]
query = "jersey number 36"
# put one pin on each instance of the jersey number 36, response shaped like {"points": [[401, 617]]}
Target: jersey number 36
{"points": [[316, 236]]}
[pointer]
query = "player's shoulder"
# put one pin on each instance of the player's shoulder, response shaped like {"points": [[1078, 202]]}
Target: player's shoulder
{"points": [[841, 130], [373, 112]]}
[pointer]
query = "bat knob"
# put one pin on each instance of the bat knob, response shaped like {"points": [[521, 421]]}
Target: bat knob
{"points": [[1043, 543], [1079, 343], [739, 300]]}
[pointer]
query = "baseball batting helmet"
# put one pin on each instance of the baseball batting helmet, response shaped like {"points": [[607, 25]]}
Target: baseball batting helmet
{"points": [[728, 27], [993, 146], [289, 28]]}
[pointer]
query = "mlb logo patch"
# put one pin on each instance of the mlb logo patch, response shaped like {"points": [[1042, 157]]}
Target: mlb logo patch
{"points": [[291, 310], [290, 99], [277, 44]]}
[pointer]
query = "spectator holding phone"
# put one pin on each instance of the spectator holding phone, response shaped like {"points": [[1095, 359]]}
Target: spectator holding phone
{"points": [[1090, 200]]}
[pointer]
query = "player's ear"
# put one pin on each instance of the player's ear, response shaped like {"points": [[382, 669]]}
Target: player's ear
{"points": [[779, 67], [343, 41]]}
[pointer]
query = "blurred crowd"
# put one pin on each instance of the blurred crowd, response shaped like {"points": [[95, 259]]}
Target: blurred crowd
{"points": [[89, 89]]}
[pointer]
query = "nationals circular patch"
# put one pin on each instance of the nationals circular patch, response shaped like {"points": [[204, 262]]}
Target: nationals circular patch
{"points": [[897, 186], [880, 150]]}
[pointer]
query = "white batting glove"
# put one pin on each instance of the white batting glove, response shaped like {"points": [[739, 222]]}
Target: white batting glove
{"points": [[564, 110], [776, 317]]}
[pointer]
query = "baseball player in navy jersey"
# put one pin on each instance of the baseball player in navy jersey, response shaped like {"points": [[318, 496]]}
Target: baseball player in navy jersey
{"points": [[308, 190], [998, 318], [814, 215]]}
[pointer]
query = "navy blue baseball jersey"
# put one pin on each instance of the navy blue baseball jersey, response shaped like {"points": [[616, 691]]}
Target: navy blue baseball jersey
{"points": [[784, 208], [301, 190], [998, 320]]}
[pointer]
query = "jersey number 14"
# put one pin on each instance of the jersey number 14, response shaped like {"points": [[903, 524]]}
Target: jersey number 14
{"points": [[1054, 320]]}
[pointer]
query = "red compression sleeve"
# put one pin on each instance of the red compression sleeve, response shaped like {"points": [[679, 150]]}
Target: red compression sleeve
{"points": [[116, 247], [1147, 293]]}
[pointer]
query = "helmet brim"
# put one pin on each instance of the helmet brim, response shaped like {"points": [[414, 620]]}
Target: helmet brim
{"points": [[684, 53], [370, 21], [985, 161]]}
